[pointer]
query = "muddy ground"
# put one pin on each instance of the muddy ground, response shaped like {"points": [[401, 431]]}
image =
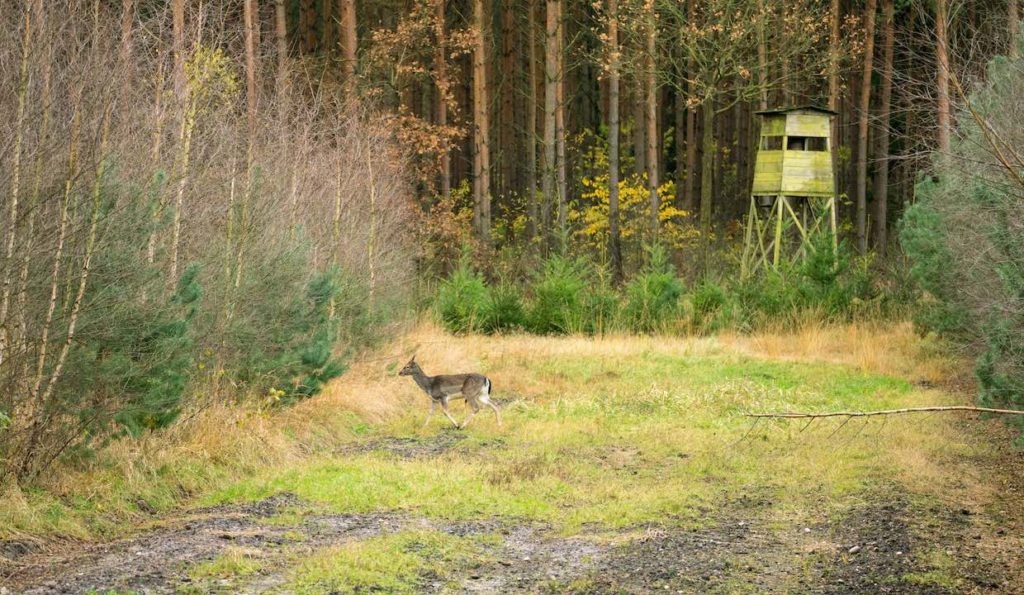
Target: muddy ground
{"points": [[883, 546], [733, 555]]}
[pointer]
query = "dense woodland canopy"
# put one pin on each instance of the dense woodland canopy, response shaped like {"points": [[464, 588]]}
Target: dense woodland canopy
{"points": [[229, 197], [516, 108]]}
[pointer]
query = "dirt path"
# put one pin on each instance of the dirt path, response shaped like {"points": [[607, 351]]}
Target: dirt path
{"points": [[739, 552]]}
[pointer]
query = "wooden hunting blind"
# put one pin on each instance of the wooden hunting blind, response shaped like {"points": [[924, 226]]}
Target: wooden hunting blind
{"points": [[793, 198]]}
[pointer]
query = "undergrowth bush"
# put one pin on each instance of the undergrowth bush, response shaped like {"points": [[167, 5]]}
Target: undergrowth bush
{"points": [[652, 297], [462, 300], [503, 310], [569, 295], [964, 240], [559, 301]]}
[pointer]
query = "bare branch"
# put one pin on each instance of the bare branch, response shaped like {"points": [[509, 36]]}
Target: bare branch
{"points": [[852, 414]]}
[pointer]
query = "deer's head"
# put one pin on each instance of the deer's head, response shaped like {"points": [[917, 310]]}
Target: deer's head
{"points": [[410, 368]]}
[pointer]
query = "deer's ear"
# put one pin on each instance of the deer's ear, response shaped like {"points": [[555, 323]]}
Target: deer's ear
{"points": [[413, 360]]}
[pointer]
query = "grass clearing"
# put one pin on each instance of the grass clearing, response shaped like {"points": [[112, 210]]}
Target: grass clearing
{"points": [[615, 441], [619, 431], [395, 563]]}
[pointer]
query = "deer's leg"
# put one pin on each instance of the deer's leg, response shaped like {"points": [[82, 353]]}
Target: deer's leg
{"points": [[430, 414], [444, 407], [470, 416], [497, 414], [485, 398]]}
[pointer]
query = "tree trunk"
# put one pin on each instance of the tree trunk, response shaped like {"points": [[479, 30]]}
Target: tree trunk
{"points": [[679, 138], [72, 174], [251, 25], [560, 130], [862, 123], [1013, 27], [183, 110], [783, 62], [83, 279], [689, 196], [307, 25], [43, 138], [531, 124], [178, 47], [348, 41], [507, 142], [651, 120], [881, 190], [19, 135], [250, 15], [742, 157], [127, 23], [614, 241], [550, 107], [762, 56], [638, 101], [329, 25], [481, 127], [707, 171], [942, 80], [833, 90], [441, 74], [281, 40]]}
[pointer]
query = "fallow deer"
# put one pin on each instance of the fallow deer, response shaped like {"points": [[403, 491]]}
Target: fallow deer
{"points": [[475, 388]]}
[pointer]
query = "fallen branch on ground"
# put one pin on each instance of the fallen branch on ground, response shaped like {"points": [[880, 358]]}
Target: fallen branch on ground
{"points": [[804, 415]]}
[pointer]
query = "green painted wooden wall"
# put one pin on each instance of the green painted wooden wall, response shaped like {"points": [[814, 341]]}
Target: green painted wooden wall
{"points": [[794, 173]]}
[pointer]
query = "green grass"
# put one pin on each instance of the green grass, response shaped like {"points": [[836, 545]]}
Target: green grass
{"points": [[607, 437], [644, 437], [941, 571], [395, 563], [233, 562]]}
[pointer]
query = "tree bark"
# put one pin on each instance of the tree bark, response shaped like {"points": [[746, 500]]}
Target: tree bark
{"points": [[762, 56], [329, 24], [531, 124], [707, 171], [72, 174], [550, 107], [83, 279], [614, 241], [348, 41], [12, 215], [250, 10], [638, 102], [1013, 27], [833, 90], [251, 24], [307, 25], [881, 190], [178, 47], [481, 127], [689, 196], [942, 79], [679, 138], [862, 122], [281, 40], [127, 22], [441, 74], [507, 146], [651, 118], [563, 188]]}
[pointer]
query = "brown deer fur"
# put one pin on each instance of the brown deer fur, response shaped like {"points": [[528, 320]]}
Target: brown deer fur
{"points": [[475, 388]]}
